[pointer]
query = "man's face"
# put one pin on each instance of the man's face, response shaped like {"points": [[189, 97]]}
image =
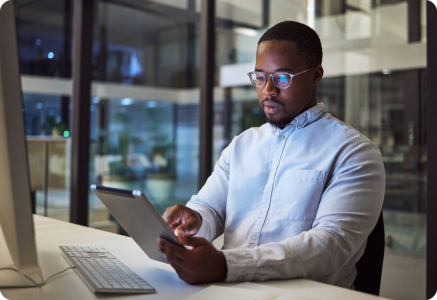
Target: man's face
{"points": [[281, 106]]}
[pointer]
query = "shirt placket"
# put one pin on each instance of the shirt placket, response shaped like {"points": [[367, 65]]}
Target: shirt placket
{"points": [[278, 144]]}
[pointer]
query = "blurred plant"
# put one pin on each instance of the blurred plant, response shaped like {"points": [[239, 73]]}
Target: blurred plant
{"points": [[120, 147], [162, 153]]}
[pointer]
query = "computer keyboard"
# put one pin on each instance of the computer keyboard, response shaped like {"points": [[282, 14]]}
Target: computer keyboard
{"points": [[102, 272]]}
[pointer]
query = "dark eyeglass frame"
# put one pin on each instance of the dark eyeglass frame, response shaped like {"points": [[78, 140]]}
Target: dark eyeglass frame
{"points": [[271, 76]]}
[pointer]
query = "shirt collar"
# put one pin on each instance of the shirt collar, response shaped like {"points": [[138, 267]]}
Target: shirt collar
{"points": [[305, 118]]}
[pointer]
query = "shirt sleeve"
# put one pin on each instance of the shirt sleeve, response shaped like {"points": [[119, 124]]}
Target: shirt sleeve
{"points": [[210, 202], [348, 211]]}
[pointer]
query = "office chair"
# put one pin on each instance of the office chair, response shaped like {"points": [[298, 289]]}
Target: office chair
{"points": [[369, 267]]}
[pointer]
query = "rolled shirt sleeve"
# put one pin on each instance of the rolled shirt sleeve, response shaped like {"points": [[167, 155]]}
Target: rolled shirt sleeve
{"points": [[210, 202]]}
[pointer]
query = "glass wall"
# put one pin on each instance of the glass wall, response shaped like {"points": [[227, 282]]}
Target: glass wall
{"points": [[144, 112], [145, 104], [44, 42], [44, 37], [374, 80]]}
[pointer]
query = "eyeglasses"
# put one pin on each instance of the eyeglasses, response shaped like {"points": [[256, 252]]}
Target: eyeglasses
{"points": [[281, 79]]}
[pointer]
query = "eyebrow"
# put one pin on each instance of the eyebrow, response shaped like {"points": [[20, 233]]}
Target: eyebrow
{"points": [[277, 70]]}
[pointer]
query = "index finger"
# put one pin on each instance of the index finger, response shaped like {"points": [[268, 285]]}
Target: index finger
{"points": [[171, 215]]}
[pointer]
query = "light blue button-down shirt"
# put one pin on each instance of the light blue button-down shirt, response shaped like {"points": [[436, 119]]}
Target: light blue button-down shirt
{"points": [[294, 203]]}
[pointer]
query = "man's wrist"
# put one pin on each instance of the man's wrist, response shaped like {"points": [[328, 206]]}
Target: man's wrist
{"points": [[224, 268]]}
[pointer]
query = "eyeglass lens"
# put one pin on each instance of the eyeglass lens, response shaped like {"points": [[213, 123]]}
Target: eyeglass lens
{"points": [[279, 79]]}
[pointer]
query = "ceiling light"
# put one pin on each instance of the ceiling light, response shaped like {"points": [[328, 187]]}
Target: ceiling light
{"points": [[245, 31]]}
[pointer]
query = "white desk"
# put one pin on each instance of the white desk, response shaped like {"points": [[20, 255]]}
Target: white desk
{"points": [[50, 234]]}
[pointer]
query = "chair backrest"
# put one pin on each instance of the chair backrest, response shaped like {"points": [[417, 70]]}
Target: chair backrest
{"points": [[369, 267]]}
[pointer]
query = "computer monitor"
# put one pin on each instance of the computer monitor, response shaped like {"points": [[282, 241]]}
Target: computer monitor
{"points": [[15, 203]]}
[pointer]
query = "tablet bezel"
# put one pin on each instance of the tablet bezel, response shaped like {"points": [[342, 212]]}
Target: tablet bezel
{"points": [[106, 194]]}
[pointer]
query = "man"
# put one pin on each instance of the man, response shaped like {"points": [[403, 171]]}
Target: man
{"points": [[296, 197]]}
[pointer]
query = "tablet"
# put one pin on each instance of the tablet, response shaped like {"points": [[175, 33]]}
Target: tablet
{"points": [[138, 217]]}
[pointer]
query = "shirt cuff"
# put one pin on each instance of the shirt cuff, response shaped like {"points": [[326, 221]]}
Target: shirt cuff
{"points": [[206, 230], [241, 265]]}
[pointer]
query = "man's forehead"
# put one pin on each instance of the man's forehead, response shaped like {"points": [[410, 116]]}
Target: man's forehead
{"points": [[277, 56]]}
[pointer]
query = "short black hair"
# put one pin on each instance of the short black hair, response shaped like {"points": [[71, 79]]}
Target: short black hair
{"points": [[306, 39]]}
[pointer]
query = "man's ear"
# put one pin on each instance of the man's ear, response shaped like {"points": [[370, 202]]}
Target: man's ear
{"points": [[318, 74]]}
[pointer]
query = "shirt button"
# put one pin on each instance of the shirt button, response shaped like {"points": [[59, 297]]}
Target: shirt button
{"points": [[263, 210], [299, 127], [272, 173], [282, 137], [250, 247], [240, 278]]}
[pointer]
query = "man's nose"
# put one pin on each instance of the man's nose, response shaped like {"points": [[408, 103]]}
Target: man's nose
{"points": [[270, 89]]}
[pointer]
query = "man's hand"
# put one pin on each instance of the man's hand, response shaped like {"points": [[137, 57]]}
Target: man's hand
{"points": [[204, 263], [182, 218]]}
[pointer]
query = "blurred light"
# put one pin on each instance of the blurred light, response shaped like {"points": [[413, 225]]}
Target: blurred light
{"points": [[386, 71], [96, 100], [92, 108], [39, 105], [311, 14], [151, 104], [127, 101], [245, 31], [66, 133], [135, 66], [38, 42], [50, 55]]}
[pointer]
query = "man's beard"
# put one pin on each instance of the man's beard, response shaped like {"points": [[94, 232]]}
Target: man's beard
{"points": [[282, 122]]}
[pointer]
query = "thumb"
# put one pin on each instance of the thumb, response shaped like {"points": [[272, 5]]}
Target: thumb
{"points": [[190, 240]]}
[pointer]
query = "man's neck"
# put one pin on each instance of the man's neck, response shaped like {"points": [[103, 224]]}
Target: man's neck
{"points": [[310, 105]]}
